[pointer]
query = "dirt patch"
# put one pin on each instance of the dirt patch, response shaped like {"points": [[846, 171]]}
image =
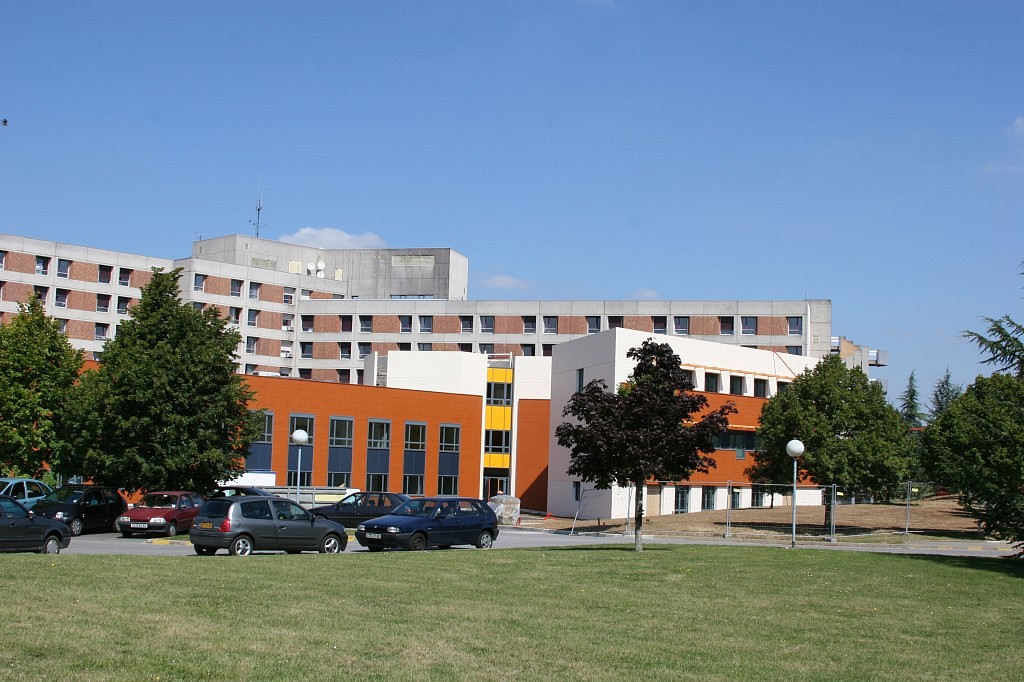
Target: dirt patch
{"points": [[940, 516]]}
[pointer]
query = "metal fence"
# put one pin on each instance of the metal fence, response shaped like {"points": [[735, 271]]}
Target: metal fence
{"points": [[823, 513]]}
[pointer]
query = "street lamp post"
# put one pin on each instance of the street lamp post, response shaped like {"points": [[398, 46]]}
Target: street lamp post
{"points": [[794, 449], [300, 438]]}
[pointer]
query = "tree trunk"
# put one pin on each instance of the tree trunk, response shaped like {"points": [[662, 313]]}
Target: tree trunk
{"points": [[638, 540]]}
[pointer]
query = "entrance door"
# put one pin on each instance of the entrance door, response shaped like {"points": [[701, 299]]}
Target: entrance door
{"points": [[494, 485]]}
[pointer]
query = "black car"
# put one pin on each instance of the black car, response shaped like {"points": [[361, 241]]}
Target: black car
{"points": [[83, 507], [358, 507], [22, 531], [243, 525], [429, 522]]}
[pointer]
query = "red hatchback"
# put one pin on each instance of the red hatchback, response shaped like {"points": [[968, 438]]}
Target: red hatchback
{"points": [[166, 512]]}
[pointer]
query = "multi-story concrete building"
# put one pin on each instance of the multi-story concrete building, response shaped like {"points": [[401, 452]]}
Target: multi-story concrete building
{"points": [[318, 313]]}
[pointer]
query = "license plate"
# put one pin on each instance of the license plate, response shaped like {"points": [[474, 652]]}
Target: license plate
{"points": [[138, 525], [373, 536], [206, 524]]}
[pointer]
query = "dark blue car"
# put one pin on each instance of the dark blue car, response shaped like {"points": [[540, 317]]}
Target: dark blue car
{"points": [[431, 522]]}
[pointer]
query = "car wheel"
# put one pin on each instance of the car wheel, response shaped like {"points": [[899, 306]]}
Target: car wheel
{"points": [[241, 546], [485, 539], [76, 526], [114, 525], [418, 542], [203, 550], [126, 533], [332, 544], [172, 530], [51, 545]]}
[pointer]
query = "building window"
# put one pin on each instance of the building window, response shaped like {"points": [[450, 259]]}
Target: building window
{"points": [[681, 323], [466, 321], [499, 394], [198, 306], [426, 324], [660, 324], [795, 326], [341, 432], [102, 303], [497, 441], [405, 324], [63, 267], [579, 380], [412, 484], [254, 290], [682, 499], [253, 317], [449, 438], [41, 292], [61, 298], [711, 382], [42, 265], [288, 296], [305, 373], [124, 277], [415, 436], [707, 498], [376, 483], [379, 436], [234, 314], [364, 350], [760, 388], [100, 331], [339, 479], [748, 325], [546, 349], [304, 422], [465, 348], [307, 323], [199, 283], [124, 301], [3, 259], [528, 349], [529, 324], [550, 324], [781, 386], [447, 485], [345, 350], [577, 491], [344, 376], [593, 324], [795, 350], [305, 294], [366, 323], [250, 369], [726, 325], [736, 385], [487, 348], [346, 322], [306, 350], [424, 346], [615, 321], [250, 345], [487, 324], [236, 288]]}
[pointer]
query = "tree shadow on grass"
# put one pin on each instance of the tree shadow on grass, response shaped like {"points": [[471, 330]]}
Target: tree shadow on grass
{"points": [[1007, 565]]}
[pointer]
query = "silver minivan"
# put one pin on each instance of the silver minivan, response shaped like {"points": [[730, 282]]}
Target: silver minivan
{"points": [[243, 525]]}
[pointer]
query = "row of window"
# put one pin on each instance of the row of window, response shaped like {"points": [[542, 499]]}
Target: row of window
{"points": [[341, 429], [104, 275]]}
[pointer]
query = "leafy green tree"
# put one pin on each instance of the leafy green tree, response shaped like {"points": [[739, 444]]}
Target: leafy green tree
{"points": [[910, 408], [646, 430], [852, 436], [38, 368], [1003, 343], [944, 394], [165, 408], [977, 448]]}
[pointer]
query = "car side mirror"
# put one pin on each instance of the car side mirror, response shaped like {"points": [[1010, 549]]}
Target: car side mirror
{"points": [[31, 514]]}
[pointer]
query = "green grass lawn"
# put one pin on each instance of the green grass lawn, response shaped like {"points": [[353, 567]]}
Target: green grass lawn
{"points": [[691, 612]]}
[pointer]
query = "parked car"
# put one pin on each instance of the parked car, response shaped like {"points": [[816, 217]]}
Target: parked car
{"points": [[28, 491], [22, 531], [358, 507], [243, 525], [165, 512], [238, 491], [83, 507], [431, 521]]}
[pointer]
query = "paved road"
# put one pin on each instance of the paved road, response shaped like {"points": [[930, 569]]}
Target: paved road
{"points": [[511, 537]]}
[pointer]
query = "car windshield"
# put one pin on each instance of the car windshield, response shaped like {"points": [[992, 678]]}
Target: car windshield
{"points": [[159, 501], [416, 508], [71, 495]]}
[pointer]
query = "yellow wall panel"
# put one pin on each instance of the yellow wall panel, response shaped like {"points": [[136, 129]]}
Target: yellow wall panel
{"points": [[497, 460], [499, 375], [498, 418]]}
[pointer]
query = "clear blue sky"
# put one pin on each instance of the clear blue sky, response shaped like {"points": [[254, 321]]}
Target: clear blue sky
{"points": [[871, 153]]}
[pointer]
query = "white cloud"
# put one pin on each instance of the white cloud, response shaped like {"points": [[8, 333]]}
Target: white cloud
{"points": [[646, 295], [1018, 126], [333, 238], [504, 282]]}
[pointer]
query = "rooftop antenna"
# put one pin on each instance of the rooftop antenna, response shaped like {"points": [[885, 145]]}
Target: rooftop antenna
{"points": [[259, 205]]}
